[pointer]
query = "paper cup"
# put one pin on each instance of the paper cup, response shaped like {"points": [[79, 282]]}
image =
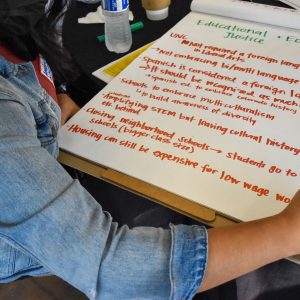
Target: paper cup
{"points": [[156, 9]]}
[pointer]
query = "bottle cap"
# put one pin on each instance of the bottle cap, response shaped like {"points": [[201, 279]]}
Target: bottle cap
{"points": [[157, 15]]}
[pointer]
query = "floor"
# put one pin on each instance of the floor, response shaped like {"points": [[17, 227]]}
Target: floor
{"points": [[43, 288]]}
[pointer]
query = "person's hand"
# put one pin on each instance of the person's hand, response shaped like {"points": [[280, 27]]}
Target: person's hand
{"points": [[291, 216], [68, 107]]}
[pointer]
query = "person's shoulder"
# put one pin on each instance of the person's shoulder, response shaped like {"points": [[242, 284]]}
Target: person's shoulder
{"points": [[7, 90], [11, 94], [14, 108], [10, 87]]}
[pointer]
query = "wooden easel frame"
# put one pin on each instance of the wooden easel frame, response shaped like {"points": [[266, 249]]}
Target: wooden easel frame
{"points": [[158, 195]]}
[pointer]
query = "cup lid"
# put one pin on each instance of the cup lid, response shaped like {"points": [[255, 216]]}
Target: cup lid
{"points": [[157, 15]]}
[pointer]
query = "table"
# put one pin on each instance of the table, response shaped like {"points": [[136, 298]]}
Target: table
{"points": [[89, 55]]}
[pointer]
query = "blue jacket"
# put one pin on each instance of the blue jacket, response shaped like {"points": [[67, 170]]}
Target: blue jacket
{"points": [[49, 224]]}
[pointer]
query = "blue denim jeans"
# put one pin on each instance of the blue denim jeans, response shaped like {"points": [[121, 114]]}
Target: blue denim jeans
{"points": [[49, 224]]}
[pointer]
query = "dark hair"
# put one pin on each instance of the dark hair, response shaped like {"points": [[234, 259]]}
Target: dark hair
{"points": [[42, 37]]}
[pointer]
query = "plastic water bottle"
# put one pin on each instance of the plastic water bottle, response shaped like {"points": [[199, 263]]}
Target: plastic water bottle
{"points": [[118, 37]]}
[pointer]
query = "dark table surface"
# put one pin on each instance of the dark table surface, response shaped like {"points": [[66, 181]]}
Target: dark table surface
{"points": [[89, 55]]}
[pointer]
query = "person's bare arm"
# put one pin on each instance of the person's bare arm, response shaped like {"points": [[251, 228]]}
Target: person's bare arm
{"points": [[241, 248], [68, 107]]}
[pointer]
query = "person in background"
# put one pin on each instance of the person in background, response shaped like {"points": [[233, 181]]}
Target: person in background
{"points": [[49, 224]]}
